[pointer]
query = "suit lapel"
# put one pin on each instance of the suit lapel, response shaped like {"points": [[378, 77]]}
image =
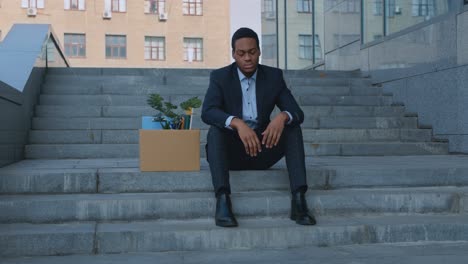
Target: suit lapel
{"points": [[236, 92], [260, 92]]}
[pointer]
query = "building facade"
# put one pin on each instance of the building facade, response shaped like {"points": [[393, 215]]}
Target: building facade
{"points": [[131, 33]]}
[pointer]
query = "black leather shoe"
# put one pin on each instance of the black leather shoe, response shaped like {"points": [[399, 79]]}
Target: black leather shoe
{"points": [[224, 216], [299, 211]]}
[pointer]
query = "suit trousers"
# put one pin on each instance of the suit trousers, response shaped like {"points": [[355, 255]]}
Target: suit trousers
{"points": [[225, 151]]}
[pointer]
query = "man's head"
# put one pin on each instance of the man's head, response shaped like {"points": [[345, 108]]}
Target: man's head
{"points": [[246, 50]]}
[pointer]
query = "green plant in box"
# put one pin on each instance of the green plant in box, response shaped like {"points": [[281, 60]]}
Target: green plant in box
{"points": [[167, 117]]}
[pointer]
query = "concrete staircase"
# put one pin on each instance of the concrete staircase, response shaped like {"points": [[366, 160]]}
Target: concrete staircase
{"points": [[374, 175], [87, 115]]}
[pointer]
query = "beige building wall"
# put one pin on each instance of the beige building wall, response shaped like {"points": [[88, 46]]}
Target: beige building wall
{"points": [[213, 26]]}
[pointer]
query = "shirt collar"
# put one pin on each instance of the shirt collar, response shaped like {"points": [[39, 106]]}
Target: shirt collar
{"points": [[242, 76]]}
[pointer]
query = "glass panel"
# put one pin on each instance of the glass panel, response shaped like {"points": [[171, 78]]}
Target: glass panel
{"points": [[115, 52], [319, 21], [342, 23], [147, 53], [299, 35], [402, 14], [373, 28], [123, 52], [82, 52], [269, 38]]}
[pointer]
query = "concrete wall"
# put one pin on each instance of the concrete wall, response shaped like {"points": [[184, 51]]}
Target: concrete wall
{"points": [[15, 118], [23, 63]]}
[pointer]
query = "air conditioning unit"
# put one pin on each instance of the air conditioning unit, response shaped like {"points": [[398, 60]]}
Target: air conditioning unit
{"points": [[107, 14], [397, 10], [162, 16], [31, 11]]}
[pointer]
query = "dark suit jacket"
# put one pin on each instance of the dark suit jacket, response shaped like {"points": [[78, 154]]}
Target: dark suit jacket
{"points": [[224, 96]]}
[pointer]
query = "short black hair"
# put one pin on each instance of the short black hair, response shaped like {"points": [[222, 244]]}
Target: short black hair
{"points": [[244, 33]]}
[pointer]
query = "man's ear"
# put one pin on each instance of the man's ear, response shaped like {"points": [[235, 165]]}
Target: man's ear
{"points": [[232, 54]]}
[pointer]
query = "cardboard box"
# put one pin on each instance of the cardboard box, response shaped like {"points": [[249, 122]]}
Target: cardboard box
{"points": [[169, 150]]}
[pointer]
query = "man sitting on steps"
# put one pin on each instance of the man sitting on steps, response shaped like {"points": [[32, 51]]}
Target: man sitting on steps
{"points": [[237, 106]]}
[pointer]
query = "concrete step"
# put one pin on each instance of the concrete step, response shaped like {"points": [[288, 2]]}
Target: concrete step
{"points": [[139, 72], [138, 111], [335, 90], [90, 151], [148, 81], [323, 173], [123, 89], [171, 79], [324, 74], [108, 207], [384, 253], [384, 100], [196, 90], [358, 82], [107, 136], [201, 234], [62, 123], [140, 100], [188, 72]]}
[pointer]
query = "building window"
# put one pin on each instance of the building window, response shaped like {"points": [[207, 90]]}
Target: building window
{"points": [[268, 9], [75, 45], [74, 4], [192, 7], [193, 49], [269, 46], [306, 47], [304, 6], [155, 6], [423, 8], [392, 8], [155, 48], [32, 3], [119, 6], [116, 47], [351, 6], [378, 7]]}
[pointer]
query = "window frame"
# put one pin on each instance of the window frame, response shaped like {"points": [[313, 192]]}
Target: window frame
{"points": [[302, 4], [195, 58], [151, 47], [422, 8], [186, 4], [112, 46], [78, 45], [158, 4], [78, 7], [118, 9], [303, 48], [39, 4]]}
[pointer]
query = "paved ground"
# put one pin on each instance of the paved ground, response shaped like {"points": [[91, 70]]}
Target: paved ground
{"points": [[407, 253]]}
